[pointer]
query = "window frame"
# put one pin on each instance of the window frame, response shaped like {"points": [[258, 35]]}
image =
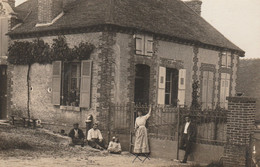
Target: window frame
{"points": [[146, 44], [84, 84], [226, 59], [69, 83], [209, 95]]}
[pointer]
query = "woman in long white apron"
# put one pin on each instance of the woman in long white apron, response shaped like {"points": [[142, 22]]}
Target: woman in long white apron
{"points": [[141, 139]]}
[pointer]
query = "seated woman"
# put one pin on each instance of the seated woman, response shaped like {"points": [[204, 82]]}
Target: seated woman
{"points": [[114, 146]]}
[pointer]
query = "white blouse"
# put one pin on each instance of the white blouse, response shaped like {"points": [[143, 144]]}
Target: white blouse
{"points": [[141, 120]]}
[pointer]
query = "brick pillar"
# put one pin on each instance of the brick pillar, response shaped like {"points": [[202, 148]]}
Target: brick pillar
{"points": [[240, 125]]}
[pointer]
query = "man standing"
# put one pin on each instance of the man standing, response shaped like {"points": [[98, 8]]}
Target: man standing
{"points": [[77, 135], [187, 137], [95, 138]]}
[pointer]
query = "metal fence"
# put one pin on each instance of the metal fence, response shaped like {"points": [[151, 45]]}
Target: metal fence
{"points": [[165, 122], [211, 125]]}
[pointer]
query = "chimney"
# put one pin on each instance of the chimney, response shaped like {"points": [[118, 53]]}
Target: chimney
{"points": [[48, 10], [195, 5]]}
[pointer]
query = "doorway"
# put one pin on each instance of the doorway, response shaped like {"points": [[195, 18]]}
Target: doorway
{"points": [[142, 84], [3, 91]]}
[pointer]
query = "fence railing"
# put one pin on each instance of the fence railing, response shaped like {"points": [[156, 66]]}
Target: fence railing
{"points": [[210, 125], [164, 122]]}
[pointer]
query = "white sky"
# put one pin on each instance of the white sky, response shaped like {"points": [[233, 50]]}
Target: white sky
{"points": [[238, 20]]}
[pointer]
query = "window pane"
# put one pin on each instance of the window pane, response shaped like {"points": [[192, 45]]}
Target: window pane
{"points": [[74, 71], [168, 87], [228, 60], [167, 99], [224, 60], [71, 83]]}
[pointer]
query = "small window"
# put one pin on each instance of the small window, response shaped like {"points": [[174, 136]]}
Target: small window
{"points": [[226, 60], [143, 45]]}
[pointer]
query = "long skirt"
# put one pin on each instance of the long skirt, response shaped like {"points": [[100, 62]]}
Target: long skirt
{"points": [[141, 141]]}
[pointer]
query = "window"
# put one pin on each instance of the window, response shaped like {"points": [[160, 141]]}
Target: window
{"points": [[71, 83], [207, 89], [224, 90], [171, 86], [226, 60], [143, 45]]}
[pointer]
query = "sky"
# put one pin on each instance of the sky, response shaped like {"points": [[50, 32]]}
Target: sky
{"points": [[238, 20]]}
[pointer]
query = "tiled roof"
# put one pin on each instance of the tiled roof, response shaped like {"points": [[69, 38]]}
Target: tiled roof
{"points": [[166, 17]]}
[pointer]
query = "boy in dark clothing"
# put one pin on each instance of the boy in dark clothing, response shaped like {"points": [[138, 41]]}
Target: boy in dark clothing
{"points": [[77, 135]]}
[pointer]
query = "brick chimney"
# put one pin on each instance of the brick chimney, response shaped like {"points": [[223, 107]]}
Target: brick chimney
{"points": [[195, 5], [48, 10]]}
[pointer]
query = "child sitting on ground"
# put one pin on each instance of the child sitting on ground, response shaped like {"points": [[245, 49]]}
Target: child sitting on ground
{"points": [[114, 146]]}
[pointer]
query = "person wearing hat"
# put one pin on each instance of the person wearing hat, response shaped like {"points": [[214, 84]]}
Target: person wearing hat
{"points": [[114, 146], [95, 138], [77, 135], [188, 133]]}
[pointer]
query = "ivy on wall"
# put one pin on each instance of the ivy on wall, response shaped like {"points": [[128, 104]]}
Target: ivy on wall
{"points": [[37, 51]]}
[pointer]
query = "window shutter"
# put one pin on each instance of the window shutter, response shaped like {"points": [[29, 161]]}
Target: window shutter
{"points": [[182, 86], [228, 60], [210, 90], [224, 60], [85, 86], [222, 90], [56, 82], [161, 85], [204, 89], [227, 87], [139, 44], [148, 45]]}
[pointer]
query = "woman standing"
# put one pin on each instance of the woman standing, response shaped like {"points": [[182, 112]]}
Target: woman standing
{"points": [[141, 140]]}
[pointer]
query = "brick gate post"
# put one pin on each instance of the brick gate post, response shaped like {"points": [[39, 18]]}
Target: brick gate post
{"points": [[240, 125]]}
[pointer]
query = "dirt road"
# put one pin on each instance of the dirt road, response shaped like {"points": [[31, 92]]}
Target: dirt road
{"points": [[92, 161]]}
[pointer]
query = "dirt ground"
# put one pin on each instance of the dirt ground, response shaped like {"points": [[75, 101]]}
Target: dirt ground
{"points": [[99, 161], [20, 147]]}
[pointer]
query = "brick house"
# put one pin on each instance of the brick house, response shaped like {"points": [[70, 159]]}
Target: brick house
{"points": [[147, 51]]}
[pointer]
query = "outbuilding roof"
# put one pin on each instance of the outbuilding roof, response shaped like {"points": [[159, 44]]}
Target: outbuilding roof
{"points": [[166, 17]]}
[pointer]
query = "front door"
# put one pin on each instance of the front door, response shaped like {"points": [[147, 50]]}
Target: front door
{"points": [[142, 82], [3, 92]]}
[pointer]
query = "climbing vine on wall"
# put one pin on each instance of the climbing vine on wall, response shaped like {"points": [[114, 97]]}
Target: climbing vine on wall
{"points": [[38, 51], [195, 96]]}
